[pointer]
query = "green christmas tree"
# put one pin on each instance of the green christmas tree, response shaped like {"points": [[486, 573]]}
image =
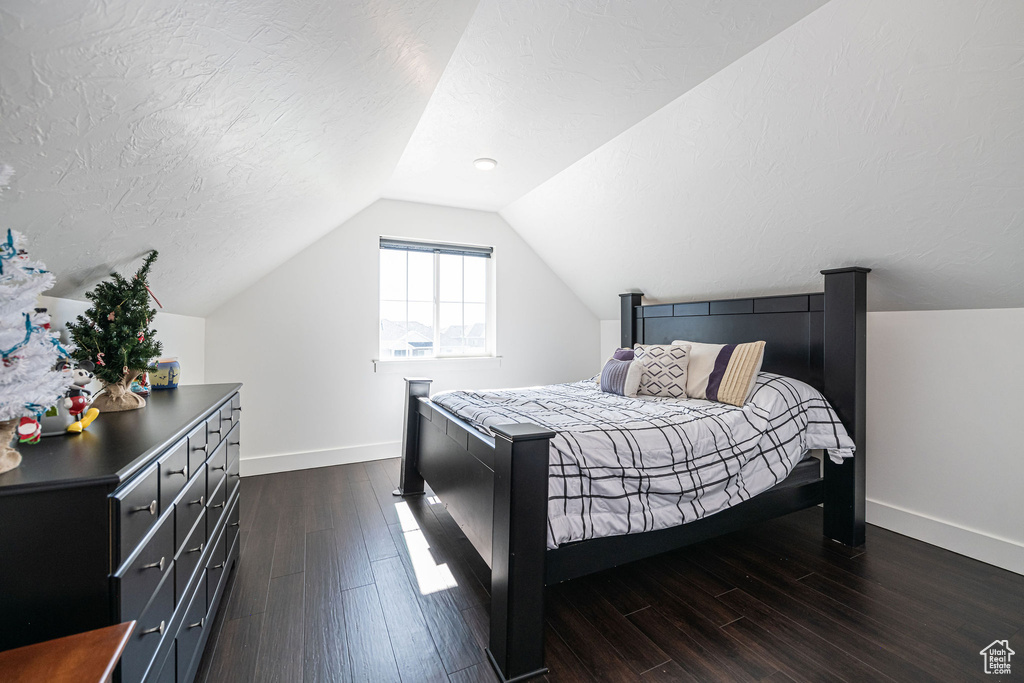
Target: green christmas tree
{"points": [[115, 335]]}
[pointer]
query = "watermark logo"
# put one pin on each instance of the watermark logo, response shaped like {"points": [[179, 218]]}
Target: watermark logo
{"points": [[997, 657]]}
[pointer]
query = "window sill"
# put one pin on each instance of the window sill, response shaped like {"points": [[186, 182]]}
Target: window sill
{"points": [[393, 367]]}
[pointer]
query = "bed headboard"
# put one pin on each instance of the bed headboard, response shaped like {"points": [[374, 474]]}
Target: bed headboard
{"points": [[792, 326], [818, 338]]}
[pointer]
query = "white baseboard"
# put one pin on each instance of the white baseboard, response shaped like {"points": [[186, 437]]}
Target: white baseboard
{"points": [[970, 542], [284, 462]]}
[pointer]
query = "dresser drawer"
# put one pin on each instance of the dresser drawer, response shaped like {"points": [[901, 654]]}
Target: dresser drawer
{"points": [[190, 633], [234, 447], [187, 559], [148, 633], [231, 526], [189, 507], [136, 510], [196, 448], [137, 581], [228, 418], [215, 506], [213, 432], [216, 469], [215, 566], [173, 467]]}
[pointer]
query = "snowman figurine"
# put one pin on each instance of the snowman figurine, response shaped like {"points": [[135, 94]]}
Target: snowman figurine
{"points": [[79, 398]]}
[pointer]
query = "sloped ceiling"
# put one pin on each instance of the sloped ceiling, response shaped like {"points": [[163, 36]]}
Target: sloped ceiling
{"points": [[228, 135], [537, 85], [874, 133], [686, 149]]}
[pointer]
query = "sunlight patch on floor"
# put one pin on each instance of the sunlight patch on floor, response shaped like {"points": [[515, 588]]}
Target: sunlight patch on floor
{"points": [[430, 576]]}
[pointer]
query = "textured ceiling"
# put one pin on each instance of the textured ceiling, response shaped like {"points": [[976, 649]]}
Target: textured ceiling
{"points": [[688, 149], [875, 133], [228, 135], [537, 85]]}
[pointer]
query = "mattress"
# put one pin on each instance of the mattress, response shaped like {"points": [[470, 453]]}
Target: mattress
{"points": [[622, 465]]}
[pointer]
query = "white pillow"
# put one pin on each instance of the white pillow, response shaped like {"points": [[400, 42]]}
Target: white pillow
{"points": [[723, 372], [664, 369]]}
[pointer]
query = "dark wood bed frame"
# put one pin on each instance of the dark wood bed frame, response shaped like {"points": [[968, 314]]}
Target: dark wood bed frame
{"points": [[496, 488]]}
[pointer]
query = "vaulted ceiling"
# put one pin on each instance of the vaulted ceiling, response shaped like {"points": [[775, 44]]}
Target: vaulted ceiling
{"points": [[688, 149]]}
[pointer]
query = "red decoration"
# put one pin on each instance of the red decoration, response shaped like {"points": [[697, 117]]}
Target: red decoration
{"points": [[29, 430]]}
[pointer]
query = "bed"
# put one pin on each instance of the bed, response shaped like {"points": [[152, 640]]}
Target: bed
{"points": [[487, 473]]}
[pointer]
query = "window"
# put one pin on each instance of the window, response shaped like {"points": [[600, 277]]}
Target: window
{"points": [[435, 300]]}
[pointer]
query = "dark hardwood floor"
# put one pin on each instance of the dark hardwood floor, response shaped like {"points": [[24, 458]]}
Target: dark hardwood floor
{"points": [[340, 581]]}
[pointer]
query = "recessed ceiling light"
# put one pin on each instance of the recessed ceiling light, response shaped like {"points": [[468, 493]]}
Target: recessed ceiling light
{"points": [[485, 164]]}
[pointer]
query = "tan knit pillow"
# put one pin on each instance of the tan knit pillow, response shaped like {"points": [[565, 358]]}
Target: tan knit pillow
{"points": [[723, 372]]}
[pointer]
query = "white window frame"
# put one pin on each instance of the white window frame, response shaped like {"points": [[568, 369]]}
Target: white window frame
{"points": [[489, 358]]}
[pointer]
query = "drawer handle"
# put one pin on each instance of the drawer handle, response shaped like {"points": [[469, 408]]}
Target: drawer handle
{"points": [[198, 624], [218, 566], [225, 419], [233, 524], [234, 474], [155, 629], [201, 501], [217, 506], [239, 409], [151, 508], [213, 431], [234, 443], [155, 565], [200, 448], [219, 467], [196, 550], [181, 472]]}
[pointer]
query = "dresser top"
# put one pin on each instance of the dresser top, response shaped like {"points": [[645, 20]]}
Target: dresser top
{"points": [[116, 445]]}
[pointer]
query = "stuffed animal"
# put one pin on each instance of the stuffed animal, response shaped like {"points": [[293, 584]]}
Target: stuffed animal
{"points": [[79, 398]]}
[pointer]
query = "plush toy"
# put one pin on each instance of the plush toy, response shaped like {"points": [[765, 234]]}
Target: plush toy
{"points": [[79, 398]]}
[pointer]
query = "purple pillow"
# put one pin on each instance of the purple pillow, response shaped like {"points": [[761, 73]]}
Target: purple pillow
{"points": [[623, 354], [613, 376]]}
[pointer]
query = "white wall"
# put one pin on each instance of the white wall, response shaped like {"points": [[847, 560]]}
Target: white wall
{"points": [[182, 336], [302, 339], [945, 461], [872, 132]]}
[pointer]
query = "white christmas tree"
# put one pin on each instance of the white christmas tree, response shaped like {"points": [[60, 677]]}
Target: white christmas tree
{"points": [[29, 351]]}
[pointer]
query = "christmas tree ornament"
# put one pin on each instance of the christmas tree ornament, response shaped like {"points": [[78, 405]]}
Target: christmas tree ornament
{"points": [[30, 382], [125, 341], [29, 430]]}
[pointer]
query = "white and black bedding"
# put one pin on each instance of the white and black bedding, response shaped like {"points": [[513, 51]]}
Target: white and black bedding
{"points": [[622, 465]]}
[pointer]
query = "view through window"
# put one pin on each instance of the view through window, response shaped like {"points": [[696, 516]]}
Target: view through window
{"points": [[433, 300]]}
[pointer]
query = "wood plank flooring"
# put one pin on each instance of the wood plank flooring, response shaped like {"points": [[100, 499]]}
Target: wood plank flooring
{"points": [[340, 581]]}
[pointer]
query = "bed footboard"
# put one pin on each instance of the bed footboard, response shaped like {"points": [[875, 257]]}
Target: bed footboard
{"points": [[518, 547], [496, 490], [410, 480]]}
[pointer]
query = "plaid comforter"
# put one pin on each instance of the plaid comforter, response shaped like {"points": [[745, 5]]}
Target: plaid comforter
{"points": [[627, 465]]}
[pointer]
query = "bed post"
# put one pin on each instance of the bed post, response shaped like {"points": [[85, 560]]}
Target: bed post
{"points": [[844, 382], [518, 547], [411, 483], [631, 332]]}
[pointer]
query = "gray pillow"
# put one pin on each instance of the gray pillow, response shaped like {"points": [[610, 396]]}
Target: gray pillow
{"points": [[620, 377]]}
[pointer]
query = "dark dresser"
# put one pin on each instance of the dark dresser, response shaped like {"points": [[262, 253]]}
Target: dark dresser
{"points": [[134, 519]]}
